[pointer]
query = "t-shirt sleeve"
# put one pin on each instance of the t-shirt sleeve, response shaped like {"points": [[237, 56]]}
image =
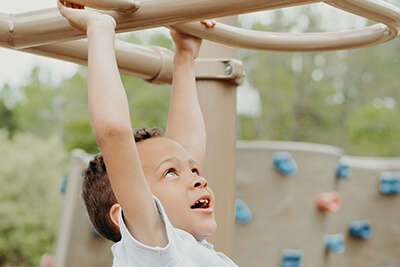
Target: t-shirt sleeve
{"points": [[130, 252]]}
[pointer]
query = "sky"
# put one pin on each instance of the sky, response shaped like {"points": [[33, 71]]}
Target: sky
{"points": [[15, 66]]}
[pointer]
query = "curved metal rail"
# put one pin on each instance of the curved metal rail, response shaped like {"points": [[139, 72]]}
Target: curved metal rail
{"points": [[389, 27]]}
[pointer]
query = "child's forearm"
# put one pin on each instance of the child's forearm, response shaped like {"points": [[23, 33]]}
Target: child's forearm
{"points": [[111, 125], [108, 105], [185, 121]]}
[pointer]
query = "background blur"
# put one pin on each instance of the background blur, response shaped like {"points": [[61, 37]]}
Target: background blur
{"points": [[348, 99]]}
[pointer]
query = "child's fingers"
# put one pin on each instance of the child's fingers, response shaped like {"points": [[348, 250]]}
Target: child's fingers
{"points": [[76, 6], [209, 22], [61, 6]]}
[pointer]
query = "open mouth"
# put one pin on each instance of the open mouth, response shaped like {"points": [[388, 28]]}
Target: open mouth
{"points": [[203, 203]]}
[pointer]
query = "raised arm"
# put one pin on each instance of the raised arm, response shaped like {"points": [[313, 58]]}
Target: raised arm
{"points": [[185, 120], [111, 126]]}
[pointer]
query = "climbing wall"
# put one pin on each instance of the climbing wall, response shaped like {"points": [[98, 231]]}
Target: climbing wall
{"points": [[296, 204], [296, 201]]}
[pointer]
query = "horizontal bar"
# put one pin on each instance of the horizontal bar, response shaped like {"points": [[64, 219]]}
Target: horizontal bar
{"points": [[134, 60], [47, 26], [117, 5], [153, 64]]}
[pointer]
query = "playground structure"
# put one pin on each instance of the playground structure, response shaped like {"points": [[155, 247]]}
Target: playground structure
{"points": [[284, 226], [46, 33]]}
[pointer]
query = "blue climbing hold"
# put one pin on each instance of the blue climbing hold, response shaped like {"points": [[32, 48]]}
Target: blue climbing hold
{"points": [[95, 232], [335, 243], [361, 229], [291, 258], [242, 211], [283, 162], [343, 169], [63, 185], [389, 183]]}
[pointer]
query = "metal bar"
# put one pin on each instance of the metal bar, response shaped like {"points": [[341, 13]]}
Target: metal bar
{"points": [[378, 11], [153, 64], [117, 5], [135, 60], [47, 26], [300, 42]]}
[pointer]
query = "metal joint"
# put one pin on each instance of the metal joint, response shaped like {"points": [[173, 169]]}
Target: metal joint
{"points": [[220, 69]]}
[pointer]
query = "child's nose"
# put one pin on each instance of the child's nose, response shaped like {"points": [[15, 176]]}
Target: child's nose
{"points": [[199, 182]]}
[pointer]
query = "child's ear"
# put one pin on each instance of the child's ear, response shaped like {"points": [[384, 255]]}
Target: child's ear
{"points": [[114, 212]]}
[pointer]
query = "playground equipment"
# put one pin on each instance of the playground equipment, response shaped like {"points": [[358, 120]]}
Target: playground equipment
{"points": [[46, 33], [287, 228]]}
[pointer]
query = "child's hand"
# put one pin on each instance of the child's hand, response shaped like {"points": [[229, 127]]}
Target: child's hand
{"points": [[186, 44], [80, 19], [209, 22]]}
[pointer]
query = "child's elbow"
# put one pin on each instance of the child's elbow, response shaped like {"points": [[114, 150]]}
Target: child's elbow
{"points": [[112, 132]]}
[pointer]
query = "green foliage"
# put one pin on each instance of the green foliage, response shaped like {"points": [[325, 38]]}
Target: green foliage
{"points": [[148, 103], [370, 127], [78, 134], [7, 115], [314, 97], [31, 169]]}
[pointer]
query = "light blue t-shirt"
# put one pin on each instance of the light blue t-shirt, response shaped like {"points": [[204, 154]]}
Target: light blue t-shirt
{"points": [[182, 249]]}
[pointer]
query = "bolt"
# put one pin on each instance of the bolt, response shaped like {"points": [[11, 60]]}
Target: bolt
{"points": [[228, 68]]}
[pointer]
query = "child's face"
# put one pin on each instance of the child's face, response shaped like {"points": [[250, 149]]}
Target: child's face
{"points": [[174, 179]]}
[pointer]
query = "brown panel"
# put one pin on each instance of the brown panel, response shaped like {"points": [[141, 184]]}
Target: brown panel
{"points": [[362, 200], [77, 245], [218, 103], [284, 212]]}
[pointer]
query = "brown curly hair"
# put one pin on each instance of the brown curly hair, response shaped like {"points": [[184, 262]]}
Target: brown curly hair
{"points": [[97, 192]]}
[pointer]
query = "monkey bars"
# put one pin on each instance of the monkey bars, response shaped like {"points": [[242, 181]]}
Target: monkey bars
{"points": [[36, 32], [47, 26]]}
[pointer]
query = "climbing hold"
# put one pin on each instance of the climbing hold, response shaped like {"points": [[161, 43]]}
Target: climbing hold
{"points": [[361, 229], [328, 201], [283, 162], [291, 258], [343, 169], [334, 243], [95, 232], [63, 185], [242, 211], [389, 183]]}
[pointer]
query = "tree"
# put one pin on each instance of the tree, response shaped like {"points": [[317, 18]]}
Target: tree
{"points": [[31, 169]]}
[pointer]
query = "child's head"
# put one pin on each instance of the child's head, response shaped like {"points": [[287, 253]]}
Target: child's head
{"points": [[173, 177], [97, 192]]}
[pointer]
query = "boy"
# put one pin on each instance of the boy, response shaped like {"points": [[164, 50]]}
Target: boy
{"points": [[148, 173]]}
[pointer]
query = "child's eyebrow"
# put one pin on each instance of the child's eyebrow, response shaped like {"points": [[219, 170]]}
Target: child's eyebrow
{"points": [[191, 161], [168, 160]]}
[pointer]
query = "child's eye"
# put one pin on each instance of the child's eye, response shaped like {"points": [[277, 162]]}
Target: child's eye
{"points": [[171, 172], [196, 171]]}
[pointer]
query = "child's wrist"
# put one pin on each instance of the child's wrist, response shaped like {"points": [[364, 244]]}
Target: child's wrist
{"points": [[102, 24], [185, 55]]}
